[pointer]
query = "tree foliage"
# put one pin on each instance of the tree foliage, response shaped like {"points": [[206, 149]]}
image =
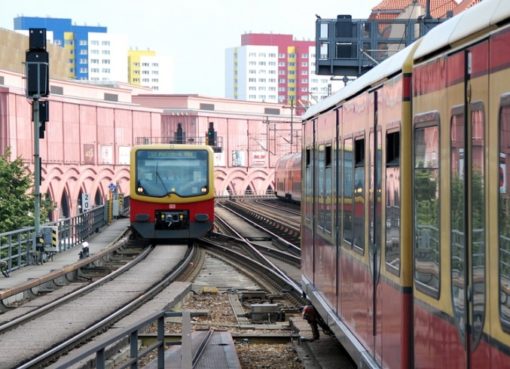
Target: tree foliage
{"points": [[16, 195]]}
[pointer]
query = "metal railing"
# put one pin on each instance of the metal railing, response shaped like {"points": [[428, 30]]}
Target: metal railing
{"points": [[131, 333]]}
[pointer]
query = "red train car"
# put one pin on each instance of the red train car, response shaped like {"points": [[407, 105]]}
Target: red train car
{"points": [[172, 192], [406, 207], [287, 177]]}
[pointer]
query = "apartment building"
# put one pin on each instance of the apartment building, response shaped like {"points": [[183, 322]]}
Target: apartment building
{"points": [[275, 68], [147, 69]]}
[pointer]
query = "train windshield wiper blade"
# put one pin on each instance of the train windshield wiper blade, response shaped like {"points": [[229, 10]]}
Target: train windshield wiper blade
{"points": [[165, 190]]}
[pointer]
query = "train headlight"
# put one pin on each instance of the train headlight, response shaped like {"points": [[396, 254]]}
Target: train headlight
{"points": [[139, 189], [203, 189]]}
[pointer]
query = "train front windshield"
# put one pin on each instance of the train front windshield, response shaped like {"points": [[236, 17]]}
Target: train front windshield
{"points": [[163, 172]]}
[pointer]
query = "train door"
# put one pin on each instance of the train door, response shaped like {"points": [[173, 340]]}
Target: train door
{"points": [[468, 111], [374, 217]]}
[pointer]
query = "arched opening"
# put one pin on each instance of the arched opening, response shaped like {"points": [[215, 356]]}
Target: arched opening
{"points": [[64, 210], [230, 191], [248, 191], [269, 190], [80, 202], [98, 199], [49, 201]]}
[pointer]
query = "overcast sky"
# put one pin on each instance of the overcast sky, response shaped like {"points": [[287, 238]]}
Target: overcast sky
{"points": [[194, 33]]}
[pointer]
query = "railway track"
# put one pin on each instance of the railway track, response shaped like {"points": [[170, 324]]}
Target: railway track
{"points": [[84, 315]]}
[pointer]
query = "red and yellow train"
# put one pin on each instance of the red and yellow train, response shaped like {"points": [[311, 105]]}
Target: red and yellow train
{"points": [[172, 192], [287, 177], [406, 202]]}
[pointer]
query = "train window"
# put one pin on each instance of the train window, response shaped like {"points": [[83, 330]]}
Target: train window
{"points": [[426, 204], [308, 189], [478, 218], [393, 149], [327, 154], [457, 208], [392, 252], [347, 190], [504, 214], [358, 226], [328, 191]]}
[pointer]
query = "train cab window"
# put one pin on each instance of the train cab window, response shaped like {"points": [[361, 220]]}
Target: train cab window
{"points": [[504, 214], [392, 169], [359, 195], [308, 157], [348, 167], [426, 204]]}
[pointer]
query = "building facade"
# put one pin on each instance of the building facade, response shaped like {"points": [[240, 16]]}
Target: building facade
{"points": [[74, 39], [107, 57], [147, 69], [275, 68]]}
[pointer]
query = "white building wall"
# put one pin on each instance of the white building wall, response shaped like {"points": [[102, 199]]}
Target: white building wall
{"points": [[108, 57], [156, 72], [256, 73]]}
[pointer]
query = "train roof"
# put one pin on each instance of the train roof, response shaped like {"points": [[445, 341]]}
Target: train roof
{"points": [[440, 37], [387, 68], [462, 25]]}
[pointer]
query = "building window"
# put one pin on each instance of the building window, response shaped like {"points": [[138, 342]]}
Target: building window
{"points": [[106, 52], [105, 43], [94, 42], [252, 88], [262, 55], [304, 64], [252, 79], [281, 55], [252, 97], [292, 81], [94, 70], [94, 51], [252, 62], [304, 72], [252, 71], [272, 63], [83, 52], [282, 80], [83, 61], [272, 55], [155, 80], [146, 80], [145, 72], [282, 72], [105, 61], [262, 63], [292, 72], [263, 80], [272, 71], [252, 54], [83, 42], [304, 56], [155, 65], [281, 64], [292, 64], [106, 70]]}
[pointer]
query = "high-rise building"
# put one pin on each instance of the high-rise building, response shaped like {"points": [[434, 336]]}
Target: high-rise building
{"points": [[107, 57], [74, 39], [274, 68], [147, 69]]}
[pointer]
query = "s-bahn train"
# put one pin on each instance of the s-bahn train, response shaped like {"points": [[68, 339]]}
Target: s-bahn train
{"points": [[287, 177], [172, 192], [406, 202]]}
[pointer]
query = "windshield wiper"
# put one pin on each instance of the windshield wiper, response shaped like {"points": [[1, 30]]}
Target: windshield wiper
{"points": [[161, 179]]}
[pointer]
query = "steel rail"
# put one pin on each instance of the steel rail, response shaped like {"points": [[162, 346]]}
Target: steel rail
{"points": [[126, 309]]}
